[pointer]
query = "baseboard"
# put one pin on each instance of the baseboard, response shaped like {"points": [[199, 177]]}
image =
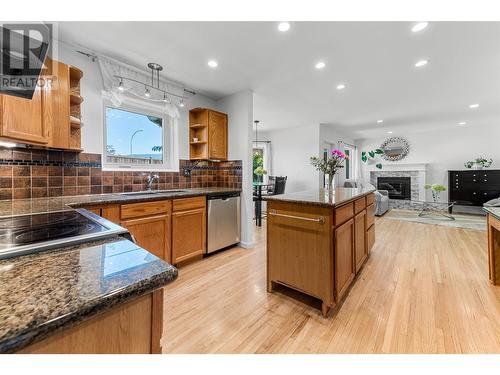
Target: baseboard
{"points": [[247, 245]]}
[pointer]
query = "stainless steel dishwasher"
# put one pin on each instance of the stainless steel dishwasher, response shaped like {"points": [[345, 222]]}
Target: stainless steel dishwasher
{"points": [[223, 221]]}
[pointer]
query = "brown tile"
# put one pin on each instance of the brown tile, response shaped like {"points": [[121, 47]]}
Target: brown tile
{"points": [[128, 180], [55, 155], [107, 181], [107, 174], [21, 193], [137, 180], [20, 170], [127, 188], [69, 171], [83, 171], [38, 170], [55, 181], [55, 170], [118, 189], [95, 172], [55, 191], [69, 181], [69, 190], [5, 194], [5, 182], [70, 156], [95, 158], [83, 157], [96, 189], [107, 189], [6, 170], [95, 181], [39, 154], [39, 192], [6, 154], [83, 181], [118, 180], [137, 187], [83, 190], [21, 182], [39, 182], [21, 154]]}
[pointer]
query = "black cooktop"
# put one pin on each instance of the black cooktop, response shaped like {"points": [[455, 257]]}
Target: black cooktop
{"points": [[32, 229]]}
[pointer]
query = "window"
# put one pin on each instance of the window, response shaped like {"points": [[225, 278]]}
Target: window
{"points": [[138, 140], [261, 154]]}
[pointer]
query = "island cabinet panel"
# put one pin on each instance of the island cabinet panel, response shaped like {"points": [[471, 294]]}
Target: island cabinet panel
{"points": [[344, 259], [299, 249], [359, 205], [188, 229], [370, 215], [370, 238], [344, 213], [361, 252]]}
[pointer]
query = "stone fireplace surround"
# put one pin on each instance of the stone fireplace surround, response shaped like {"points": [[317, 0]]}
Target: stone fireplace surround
{"points": [[417, 173]]}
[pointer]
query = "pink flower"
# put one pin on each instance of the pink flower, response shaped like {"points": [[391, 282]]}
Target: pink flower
{"points": [[339, 154]]}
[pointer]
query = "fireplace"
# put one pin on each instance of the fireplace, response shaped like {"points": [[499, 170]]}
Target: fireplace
{"points": [[398, 187]]}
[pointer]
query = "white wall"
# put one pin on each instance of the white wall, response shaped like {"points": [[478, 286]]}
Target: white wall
{"points": [[445, 149], [239, 108], [290, 151], [92, 107]]}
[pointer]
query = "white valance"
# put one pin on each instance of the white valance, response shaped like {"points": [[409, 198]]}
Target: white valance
{"points": [[111, 67]]}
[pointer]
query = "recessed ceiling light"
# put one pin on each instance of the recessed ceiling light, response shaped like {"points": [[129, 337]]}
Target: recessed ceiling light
{"points": [[462, 123], [341, 86], [380, 121], [212, 63], [389, 132], [421, 63], [320, 65], [419, 26], [473, 106], [283, 26]]}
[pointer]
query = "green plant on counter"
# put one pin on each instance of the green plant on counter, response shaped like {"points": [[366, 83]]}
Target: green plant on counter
{"points": [[436, 190], [370, 156], [479, 162]]}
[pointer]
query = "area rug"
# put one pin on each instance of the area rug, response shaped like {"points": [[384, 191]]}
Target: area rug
{"points": [[461, 220]]}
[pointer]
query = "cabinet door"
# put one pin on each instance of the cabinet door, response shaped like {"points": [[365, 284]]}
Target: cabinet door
{"points": [[370, 238], [188, 234], [344, 258], [151, 233], [360, 252], [21, 119], [217, 133]]}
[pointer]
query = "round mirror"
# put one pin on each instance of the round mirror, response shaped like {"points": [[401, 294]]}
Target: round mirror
{"points": [[395, 148]]}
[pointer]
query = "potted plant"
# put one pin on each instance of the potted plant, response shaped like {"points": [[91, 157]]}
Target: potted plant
{"points": [[479, 163], [260, 171], [436, 190], [330, 165], [370, 157]]}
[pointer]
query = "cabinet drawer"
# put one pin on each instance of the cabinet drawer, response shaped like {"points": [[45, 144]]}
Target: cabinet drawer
{"points": [[344, 213], [188, 203], [145, 209], [370, 215], [359, 205], [370, 198]]}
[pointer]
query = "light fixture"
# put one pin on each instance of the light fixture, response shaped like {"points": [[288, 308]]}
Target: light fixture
{"points": [[419, 26], [256, 122], [320, 65], [212, 63], [380, 121], [283, 26], [341, 86], [153, 91], [7, 144], [389, 132], [474, 106], [421, 63], [462, 123]]}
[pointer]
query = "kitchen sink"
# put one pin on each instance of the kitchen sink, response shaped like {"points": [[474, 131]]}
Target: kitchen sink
{"points": [[150, 192]]}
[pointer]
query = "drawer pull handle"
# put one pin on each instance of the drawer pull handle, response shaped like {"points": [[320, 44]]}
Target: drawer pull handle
{"points": [[320, 219]]}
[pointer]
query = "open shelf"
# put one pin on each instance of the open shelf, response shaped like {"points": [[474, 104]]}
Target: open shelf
{"points": [[75, 121], [198, 143], [75, 99], [198, 126], [75, 74]]}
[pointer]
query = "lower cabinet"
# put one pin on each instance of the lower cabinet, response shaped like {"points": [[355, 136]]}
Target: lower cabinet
{"points": [[344, 259], [360, 248], [188, 229]]}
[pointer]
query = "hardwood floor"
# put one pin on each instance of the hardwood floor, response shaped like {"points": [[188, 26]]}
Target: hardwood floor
{"points": [[424, 289]]}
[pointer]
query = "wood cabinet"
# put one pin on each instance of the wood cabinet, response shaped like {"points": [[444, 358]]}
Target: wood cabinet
{"points": [[149, 223], [188, 229], [360, 253], [344, 260], [207, 134], [370, 223], [52, 118]]}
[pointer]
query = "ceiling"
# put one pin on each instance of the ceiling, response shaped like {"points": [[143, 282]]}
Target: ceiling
{"points": [[374, 59]]}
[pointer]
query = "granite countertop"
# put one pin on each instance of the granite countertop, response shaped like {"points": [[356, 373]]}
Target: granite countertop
{"points": [[495, 211], [322, 197], [40, 205], [44, 292]]}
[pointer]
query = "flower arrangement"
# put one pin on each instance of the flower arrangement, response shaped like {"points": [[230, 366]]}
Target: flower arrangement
{"points": [[330, 165], [479, 163], [436, 190]]}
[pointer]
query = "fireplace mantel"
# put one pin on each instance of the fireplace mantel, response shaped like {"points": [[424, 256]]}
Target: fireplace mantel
{"points": [[400, 167]]}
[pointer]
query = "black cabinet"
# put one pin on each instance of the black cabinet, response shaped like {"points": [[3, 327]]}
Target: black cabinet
{"points": [[473, 187]]}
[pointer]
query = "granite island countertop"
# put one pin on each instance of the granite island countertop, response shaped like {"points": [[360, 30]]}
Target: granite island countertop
{"points": [[322, 197], [495, 211], [40, 205], [49, 291]]}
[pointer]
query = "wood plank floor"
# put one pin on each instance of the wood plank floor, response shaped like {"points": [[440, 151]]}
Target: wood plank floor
{"points": [[424, 289]]}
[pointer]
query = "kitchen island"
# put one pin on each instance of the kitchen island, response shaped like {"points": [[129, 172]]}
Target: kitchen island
{"points": [[493, 244], [318, 241]]}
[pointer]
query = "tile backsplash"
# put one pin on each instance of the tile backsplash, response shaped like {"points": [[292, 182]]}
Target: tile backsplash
{"points": [[33, 173]]}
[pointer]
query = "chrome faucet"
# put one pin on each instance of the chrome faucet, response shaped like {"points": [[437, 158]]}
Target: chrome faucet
{"points": [[151, 178]]}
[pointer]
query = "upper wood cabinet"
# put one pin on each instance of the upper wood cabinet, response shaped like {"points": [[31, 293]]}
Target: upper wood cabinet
{"points": [[207, 134], [52, 117]]}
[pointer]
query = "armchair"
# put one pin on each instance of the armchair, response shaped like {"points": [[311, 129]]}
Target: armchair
{"points": [[381, 202]]}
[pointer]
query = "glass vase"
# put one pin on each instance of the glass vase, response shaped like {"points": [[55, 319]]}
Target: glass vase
{"points": [[331, 182]]}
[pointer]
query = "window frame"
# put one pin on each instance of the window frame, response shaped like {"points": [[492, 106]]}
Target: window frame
{"points": [[169, 157]]}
